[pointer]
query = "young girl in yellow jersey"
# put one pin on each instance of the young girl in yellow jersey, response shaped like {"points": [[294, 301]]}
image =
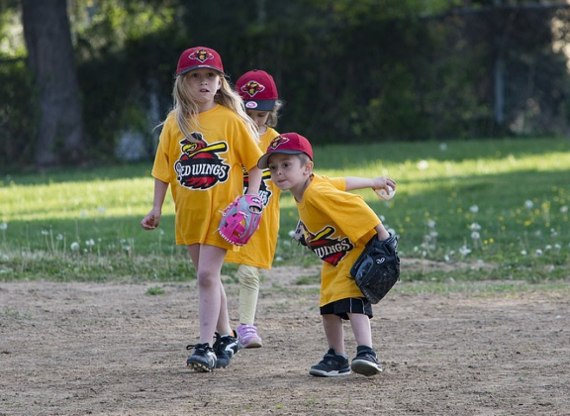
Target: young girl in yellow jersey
{"points": [[336, 225], [206, 143], [259, 93]]}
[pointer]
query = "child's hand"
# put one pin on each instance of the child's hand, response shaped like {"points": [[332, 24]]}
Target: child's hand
{"points": [[383, 182], [151, 220]]}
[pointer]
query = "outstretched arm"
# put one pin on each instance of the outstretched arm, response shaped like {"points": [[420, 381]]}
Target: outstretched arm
{"points": [[355, 182]]}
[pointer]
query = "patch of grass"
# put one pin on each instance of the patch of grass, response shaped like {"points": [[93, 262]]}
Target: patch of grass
{"points": [[155, 291], [503, 202]]}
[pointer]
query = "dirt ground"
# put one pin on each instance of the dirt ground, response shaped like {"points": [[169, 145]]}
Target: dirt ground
{"points": [[111, 349]]}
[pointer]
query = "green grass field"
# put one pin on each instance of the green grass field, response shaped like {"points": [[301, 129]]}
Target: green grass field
{"points": [[479, 209]]}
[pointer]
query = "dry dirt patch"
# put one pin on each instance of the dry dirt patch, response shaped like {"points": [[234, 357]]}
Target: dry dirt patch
{"points": [[111, 349]]}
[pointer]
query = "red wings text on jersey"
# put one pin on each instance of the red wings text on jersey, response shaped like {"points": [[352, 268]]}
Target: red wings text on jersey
{"points": [[199, 166]]}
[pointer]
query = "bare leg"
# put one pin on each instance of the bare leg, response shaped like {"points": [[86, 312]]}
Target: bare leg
{"points": [[208, 261], [334, 332], [360, 324]]}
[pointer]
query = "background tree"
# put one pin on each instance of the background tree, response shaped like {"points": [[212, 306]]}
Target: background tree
{"points": [[50, 59]]}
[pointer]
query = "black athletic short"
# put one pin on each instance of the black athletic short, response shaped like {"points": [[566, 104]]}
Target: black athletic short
{"points": [[345, 306]]}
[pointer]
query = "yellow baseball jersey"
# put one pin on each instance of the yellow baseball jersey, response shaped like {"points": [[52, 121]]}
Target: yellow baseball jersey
{"points": [[206, 176], [260, 249], [336, 225]]}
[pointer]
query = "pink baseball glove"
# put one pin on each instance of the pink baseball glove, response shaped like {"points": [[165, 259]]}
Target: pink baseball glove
{"points": [[241, 219]]}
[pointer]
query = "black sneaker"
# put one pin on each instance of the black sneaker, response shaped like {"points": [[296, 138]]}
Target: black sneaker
{"points": [[225, 348], [366, 362], [203, 359], [332, 365]]}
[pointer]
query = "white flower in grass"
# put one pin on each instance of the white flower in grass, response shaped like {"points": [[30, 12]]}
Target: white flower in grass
{"points": [[464, 250], [474, 227], [90, 242], [443, 147], [431, 224], [433, 234], [553, 232], [74, 246], [3, 226], [548, 247], [291, 233], [45, 232], [557, 246], [528, 204], [523, 253], [474, 209], [538, 252], [564, 209], [278, 258], [475, 235], [59, 237], [423, 165]]}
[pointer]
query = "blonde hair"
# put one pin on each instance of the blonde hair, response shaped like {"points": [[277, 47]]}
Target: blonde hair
{"points": [[273, 114], [186, 109]]}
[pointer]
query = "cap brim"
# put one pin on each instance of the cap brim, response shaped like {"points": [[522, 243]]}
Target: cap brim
{"points": [[263, 160], [260, 105], [200, 67]]}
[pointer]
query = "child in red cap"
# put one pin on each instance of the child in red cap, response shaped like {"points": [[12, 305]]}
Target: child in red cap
{"points": [[206, 142], [335, 225]]}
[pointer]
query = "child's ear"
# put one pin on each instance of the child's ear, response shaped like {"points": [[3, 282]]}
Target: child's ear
{"points": [[308, 167]]}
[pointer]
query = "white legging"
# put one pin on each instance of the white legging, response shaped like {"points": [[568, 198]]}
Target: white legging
{"points": [[248, 291]]}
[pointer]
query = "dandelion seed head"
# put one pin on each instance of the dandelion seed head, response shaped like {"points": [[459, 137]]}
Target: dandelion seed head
{"points": [[74, 246], [423, 165], [564, 209], [474, 209], [90, 242], [528, 204], [538, 252], [475, 235], [431, 224], [59, 237], [474, 227], [523, 253], [464, 250]]}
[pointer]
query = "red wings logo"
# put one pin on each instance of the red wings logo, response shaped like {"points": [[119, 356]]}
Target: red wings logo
{"points": [[278, 141], [331, 250], [201, 55], [199, 166], [252, 87]]}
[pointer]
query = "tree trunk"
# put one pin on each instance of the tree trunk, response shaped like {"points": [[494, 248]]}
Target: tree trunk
{"points": [[50, 60]]}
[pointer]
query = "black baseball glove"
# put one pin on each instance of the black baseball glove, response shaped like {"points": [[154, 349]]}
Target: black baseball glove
{"points": [[377, 268]]}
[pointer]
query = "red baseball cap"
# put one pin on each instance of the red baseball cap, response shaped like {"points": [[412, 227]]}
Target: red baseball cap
{"points": [[287, 143], [258, 90], [199, 57]]}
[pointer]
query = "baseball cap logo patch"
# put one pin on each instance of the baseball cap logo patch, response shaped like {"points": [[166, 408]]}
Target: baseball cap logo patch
{"points": [[252, 88], [201, 55], [278, 141]]}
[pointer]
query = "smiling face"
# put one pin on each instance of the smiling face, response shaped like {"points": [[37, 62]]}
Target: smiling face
{"points": [[203, 85]]}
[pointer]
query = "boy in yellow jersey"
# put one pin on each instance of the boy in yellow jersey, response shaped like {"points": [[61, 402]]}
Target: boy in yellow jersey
{"points": [[336, 225]]}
